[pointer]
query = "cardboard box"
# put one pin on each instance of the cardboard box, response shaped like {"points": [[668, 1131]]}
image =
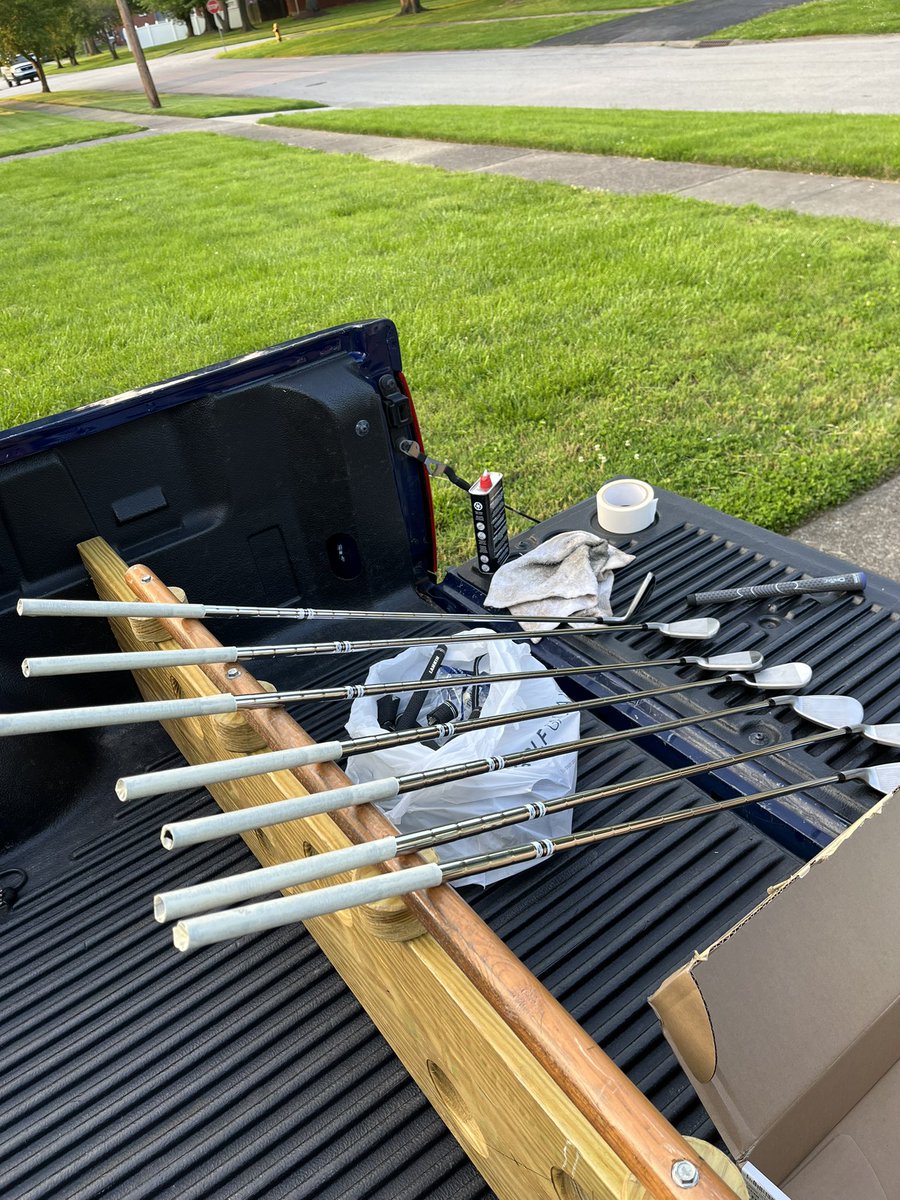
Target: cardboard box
{"points": [[789, 1025]]}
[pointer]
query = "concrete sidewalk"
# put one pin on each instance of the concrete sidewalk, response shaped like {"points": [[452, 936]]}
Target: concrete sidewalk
{"points": [[814, 195], [861, 531]]}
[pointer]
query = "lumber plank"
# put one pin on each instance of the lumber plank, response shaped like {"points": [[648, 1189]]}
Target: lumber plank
{"points": [[536, 1104]]}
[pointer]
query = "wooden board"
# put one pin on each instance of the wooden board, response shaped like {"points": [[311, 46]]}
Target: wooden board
{"points": [[538, 1107]]}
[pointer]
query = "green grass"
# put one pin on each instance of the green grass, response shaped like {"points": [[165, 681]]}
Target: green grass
{"points": [[824, 142], [375, 27], [353, 14], [21, 132], [745, 358], [174, 104], [204, 41], [413, 36], [821, 17]]}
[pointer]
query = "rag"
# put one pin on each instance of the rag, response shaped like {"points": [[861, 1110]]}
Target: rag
{"points": [[567, 577]]}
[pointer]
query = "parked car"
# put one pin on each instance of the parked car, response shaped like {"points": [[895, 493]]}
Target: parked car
{"points": [[20, 70]]}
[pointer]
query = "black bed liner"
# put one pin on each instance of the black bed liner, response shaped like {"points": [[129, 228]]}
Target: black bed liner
{"points": [[248, 1070]]}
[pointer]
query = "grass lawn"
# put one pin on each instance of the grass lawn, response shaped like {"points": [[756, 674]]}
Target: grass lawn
{"points": [[825, 142], [821, 17], [361, 13], [745, 358], [446, 25], [174, 104], [203, 41], [24, 131]]}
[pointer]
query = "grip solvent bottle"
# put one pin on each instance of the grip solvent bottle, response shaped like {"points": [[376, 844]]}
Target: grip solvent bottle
{"points": [[489, 517]]}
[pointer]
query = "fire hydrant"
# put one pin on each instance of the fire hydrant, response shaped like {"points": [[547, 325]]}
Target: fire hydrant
{"points": [[276, 32]]}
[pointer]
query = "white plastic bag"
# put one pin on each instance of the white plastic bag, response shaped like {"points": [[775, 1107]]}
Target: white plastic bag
{"points": [[483, 794]]}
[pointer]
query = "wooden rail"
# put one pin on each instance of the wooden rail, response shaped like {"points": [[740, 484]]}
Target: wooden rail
{"points": [[537, 1105]]}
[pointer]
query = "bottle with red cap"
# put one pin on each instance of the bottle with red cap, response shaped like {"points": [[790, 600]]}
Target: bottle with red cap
{"points": [[489, 518]]}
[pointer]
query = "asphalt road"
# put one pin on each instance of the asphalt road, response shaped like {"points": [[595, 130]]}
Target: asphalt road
{"points": [[860, 74], [678, 22]]}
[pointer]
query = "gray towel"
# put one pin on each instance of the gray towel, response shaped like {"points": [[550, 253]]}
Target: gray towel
{"points": [[567, 577]]}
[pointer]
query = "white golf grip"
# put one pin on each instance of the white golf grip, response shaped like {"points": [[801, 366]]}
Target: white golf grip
{"points": [[33, 607], [135, 787], [54, 720], [241, 820], [139, 660], [184, 902], [288, 910]]}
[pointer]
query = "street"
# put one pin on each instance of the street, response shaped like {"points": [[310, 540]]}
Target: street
{"points": [[852, 75]]}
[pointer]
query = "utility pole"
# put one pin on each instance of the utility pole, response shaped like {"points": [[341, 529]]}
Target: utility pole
{"points": [[138, 52]]}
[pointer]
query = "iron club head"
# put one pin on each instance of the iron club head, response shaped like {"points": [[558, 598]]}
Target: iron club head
{"points": [[885, 778], [786, 676], [740, 660], [834, 712], [698, 630], [884, 735]]}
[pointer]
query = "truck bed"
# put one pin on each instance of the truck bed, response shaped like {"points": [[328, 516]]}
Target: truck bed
{"points": [[248, 1069]]}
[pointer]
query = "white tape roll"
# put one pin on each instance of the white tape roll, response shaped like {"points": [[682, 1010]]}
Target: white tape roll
{"points": [[626, 506]]}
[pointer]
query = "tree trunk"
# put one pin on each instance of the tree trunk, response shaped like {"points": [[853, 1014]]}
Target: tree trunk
{"points": [[190, 26], [312, 6], [210, 21], [58, 60], [408, 7], [134, 44], [112, 47], [246, 24], [70, 55], [35, 60], [224, 18]]}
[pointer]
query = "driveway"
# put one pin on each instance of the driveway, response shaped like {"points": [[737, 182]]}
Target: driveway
{"points": [[678, 23], [807, 75]]}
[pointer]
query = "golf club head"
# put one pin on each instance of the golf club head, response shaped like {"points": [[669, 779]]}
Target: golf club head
{"points": [[786, 676], [697, 630], [834, 712], [884, 735], [740, 660], [642, 594], [885, 778]]}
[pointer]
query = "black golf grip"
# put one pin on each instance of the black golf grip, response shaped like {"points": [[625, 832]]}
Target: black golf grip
{"points": [[855, 582]]}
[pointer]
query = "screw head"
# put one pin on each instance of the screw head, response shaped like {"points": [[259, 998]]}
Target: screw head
{"points": [[146, 578], [232, 672], [362, 428], [685, 1174]]}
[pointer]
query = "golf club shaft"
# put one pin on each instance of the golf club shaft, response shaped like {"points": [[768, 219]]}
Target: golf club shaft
{"points": [[271, 914], [110, 609], [134, 787], [137, 712], [141, 660], [204, 896], [178, 834]]}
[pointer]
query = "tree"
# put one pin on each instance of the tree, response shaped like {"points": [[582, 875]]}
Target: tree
{"points": [[408, 7], [101, 20], [246, 24], [180, 10], [29, 27], [134, 44]]}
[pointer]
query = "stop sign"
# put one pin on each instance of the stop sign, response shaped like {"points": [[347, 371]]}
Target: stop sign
{"points": [[213, 6]]}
